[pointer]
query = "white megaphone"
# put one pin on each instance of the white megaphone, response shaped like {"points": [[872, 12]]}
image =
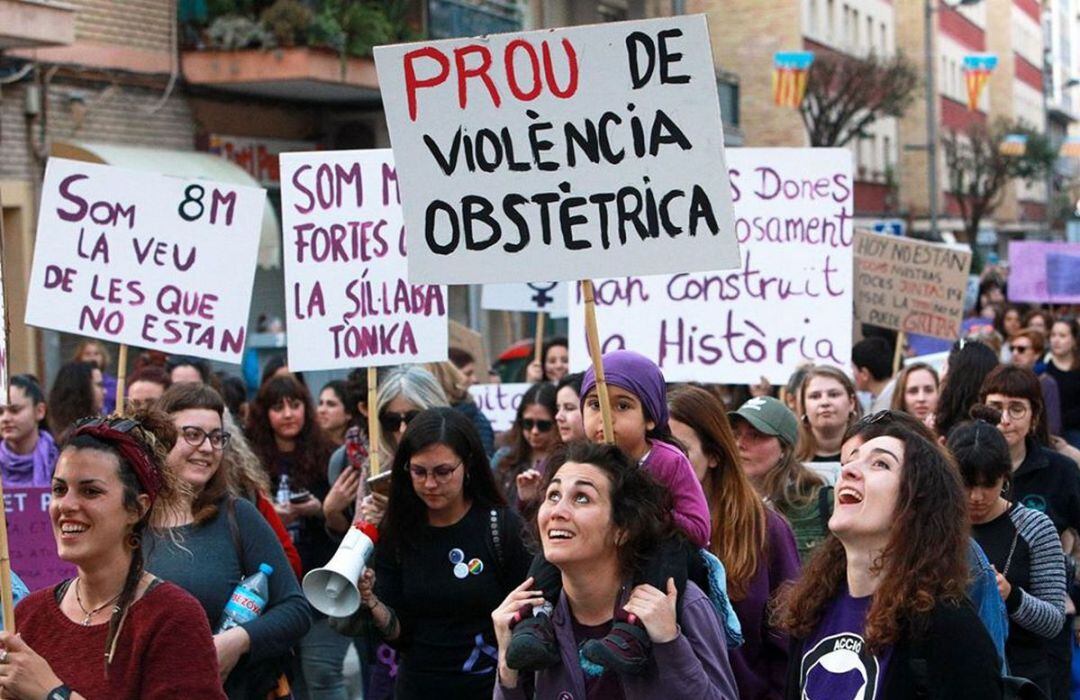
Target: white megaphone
{"points": [[332, 589]]}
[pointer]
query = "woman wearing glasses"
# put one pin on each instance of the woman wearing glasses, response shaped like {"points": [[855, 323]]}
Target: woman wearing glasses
{"points": [[215, 540], [449, 552], [520, 466], [1026, 348]]}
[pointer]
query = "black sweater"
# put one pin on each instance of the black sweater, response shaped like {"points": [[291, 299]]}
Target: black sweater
{"points": [[1048, 482], [955, 651]]}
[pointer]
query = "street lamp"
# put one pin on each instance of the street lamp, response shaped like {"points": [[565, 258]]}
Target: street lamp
{"points": [[931, 106]]}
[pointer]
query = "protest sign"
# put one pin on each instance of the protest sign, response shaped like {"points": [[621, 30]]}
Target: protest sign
{"points": [[148, 260], [788, 303], [349, 302], [1046, 273], [910, 286], [499, 402], [30, 537], [560, 154], [548, 297]]}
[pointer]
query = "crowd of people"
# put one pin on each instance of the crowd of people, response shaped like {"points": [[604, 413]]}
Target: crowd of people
{"points": [[886, 530]]}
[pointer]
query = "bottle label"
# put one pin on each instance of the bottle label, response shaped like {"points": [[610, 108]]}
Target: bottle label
{"points": [[244, 605]]}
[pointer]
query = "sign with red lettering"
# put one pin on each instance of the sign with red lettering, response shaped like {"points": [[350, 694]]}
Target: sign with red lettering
{"points": [[149, 260], [912, 286], [788, 303], [30, 537], [348, 300], [560, 154]]}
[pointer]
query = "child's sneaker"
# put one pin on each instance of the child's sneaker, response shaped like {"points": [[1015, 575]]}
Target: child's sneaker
{"points": [[625, 649], [532, 645]]}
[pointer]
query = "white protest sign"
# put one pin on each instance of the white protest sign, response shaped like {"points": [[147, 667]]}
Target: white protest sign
{"points": [[148, 260], [348, 300], [499, 402], [789, 302], [560, 154], [549, 297]]}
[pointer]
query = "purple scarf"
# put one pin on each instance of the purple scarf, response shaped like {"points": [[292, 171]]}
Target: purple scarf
{"points": [[34, 469]]}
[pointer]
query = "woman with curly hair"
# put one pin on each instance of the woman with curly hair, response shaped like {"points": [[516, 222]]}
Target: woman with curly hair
{"points": [[882, 604], [283, 433]]}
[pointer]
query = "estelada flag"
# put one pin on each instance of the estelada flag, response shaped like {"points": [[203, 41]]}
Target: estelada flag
{"points": [[790, 70], [1070, 148], [1013, 145], [977, 70]]}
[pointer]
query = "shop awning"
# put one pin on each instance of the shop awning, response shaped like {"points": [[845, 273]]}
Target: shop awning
{"points": [[189, 164]]}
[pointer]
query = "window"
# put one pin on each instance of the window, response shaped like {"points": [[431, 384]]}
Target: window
{"points": [[829, 19], [811, 17], [886, 147], [845, 27], [728, 91], [853, 40], [870, 35], [884, 48]]}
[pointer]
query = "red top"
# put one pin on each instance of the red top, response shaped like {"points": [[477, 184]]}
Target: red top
{"points": [[165, 649]]}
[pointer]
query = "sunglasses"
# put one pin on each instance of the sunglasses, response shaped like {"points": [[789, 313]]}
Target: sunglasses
{"points": [[1019, 348], [391, 421], [527, 424]]}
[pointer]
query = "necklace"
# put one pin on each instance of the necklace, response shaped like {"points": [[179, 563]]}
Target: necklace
{"points": [[90, 613]]}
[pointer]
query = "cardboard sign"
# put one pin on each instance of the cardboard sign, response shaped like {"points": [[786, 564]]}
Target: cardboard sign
{"points": [[499, 402], [560, 154], [461, 336], [30, 537], [549, 297], [148, 260], [348, 300], [1047, 273], [911, 286], [788, 303]]}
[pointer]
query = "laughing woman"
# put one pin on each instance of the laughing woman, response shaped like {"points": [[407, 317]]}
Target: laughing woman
{"points": [[881, 606], [599, 519], [114, 631]]}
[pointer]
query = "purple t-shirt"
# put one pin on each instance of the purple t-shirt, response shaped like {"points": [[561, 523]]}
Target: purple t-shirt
{"points": [[836, 665]]}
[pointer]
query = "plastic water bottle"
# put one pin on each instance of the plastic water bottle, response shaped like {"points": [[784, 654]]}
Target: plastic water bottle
{"points": [[248, 599], [284, 492]]}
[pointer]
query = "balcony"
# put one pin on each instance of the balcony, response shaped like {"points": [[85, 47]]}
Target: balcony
{"points": [[34, 24], [315, 51]]}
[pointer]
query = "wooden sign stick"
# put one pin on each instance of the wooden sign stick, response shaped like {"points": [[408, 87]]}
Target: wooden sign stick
{"points": [[593, 339], [121, 377], [898, 355], [373, 422], [538, 353], [7, 599]]}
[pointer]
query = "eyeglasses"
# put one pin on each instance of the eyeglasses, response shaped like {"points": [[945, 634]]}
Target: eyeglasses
{"points": [[391, 422], [527, 424], [442, 473], [1019, 348], [196, 436], [1017, 410]]}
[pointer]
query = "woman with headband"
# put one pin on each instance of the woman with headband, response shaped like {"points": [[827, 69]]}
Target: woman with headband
{"points": [[114, 631]]}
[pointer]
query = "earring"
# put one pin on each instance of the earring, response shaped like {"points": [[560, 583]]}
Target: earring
{"points": [[134, 541]]}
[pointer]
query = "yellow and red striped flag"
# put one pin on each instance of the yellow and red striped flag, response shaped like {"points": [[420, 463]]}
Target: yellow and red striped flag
{"points": [[977, 70], [790, 71]]}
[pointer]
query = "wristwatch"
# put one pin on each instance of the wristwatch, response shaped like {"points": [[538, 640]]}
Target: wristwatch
{"points": [[60, 692]]}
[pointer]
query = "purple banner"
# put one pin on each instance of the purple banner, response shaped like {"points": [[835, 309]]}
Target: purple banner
{"points": [[30, 537], [1044, 272]]}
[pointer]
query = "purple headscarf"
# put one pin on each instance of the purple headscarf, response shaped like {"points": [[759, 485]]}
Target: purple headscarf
{"points": [[637, 374]]}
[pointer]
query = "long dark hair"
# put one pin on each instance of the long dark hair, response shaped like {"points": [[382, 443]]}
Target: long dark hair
{"points": [[925, 560], [738, 532], [71, 396], [969, 363], [539, 394], [155, 433], [406, 513], [640, 506], [312, 451]]}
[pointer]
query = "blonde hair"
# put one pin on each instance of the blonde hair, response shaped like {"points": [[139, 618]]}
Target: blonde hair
{"points": [[451, 380]]}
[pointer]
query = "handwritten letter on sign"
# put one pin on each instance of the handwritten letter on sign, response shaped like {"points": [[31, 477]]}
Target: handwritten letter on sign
{"points": [[144, 259], [788, 303], [910, 286], [560, 154], [349, 302]]}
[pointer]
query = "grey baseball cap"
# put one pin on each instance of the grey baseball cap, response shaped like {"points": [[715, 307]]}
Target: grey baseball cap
{"points": [[769, 416]]}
